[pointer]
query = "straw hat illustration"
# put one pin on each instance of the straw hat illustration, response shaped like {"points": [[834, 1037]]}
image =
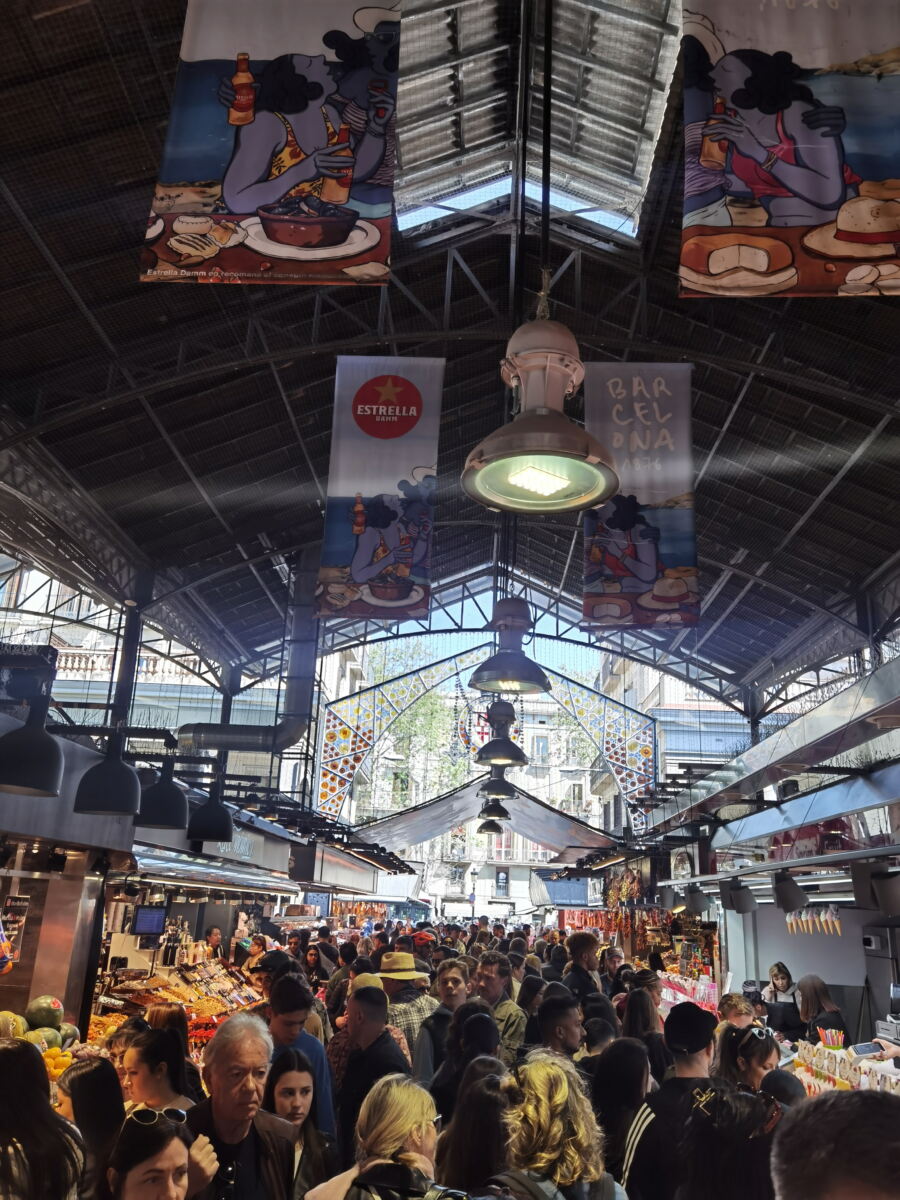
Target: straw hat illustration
{"points": [[864, 228], [666, 595], [610, 610], [367, 19]]}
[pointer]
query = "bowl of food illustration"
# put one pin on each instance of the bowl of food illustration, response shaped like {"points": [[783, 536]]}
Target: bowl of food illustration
{"points": [[392, 587], [307, 221]]}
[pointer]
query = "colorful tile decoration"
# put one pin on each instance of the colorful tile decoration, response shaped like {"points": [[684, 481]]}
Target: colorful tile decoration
{"points": [[625, 738]]}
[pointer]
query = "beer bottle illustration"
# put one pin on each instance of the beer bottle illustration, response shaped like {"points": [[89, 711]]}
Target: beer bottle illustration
{"points": [[337, 191], [241, 110], [713, 151]]}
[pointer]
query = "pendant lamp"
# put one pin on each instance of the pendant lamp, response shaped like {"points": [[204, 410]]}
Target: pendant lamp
{"points": [[789, 895], [541, 461], [211, 822], [510, 671], [501, 752], [742, 898], [695, 901], [31, 759], [493, 810], [667, 897], [497, 788], [111, 788], [164, 804], [490, 827]]}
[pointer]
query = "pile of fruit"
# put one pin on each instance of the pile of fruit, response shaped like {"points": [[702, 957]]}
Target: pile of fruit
{"points": [[103, 1025], [42, 1024], [56, 1061]]}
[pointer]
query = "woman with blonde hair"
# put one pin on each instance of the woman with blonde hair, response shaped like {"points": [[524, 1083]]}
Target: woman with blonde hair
{"points": [[396, 1135], [555, 1144]]}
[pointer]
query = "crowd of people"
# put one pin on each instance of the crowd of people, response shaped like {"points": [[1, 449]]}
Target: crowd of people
{"points": [[473, 1062]]}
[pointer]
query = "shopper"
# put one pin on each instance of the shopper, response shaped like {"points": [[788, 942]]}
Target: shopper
{"points": [[213, 938], [170, 1015], [620, 1080], [317, 1023], [641, 1021], [41, 1156], [258, 948], [154, 1071], [559, 1019], [781, 988], [554, 1141], [255, 1150], [290, 1005], [493, 983], [582, 978], [291, 1093], [615, 958], [374, 1055], [726, 1145], [451, 985], [89, 1095], [817, 1009], [396, 1135], [318, 968], [150, 1159], [531, 993], [407, 1005], [334, 995], [458, 1054], [599, 1005], [735, 1009], [119, 1040], [839, 1146], [472, 1148], [652, 1166], [553, 969], [745, 1056]]}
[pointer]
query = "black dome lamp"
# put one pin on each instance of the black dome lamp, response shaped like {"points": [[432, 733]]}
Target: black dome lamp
{"points": [[111, 788], [490, 827], [501, 750], [497, 788], [31, 759], [510, 669], [493, 810], [212, 821], [164, 804]]}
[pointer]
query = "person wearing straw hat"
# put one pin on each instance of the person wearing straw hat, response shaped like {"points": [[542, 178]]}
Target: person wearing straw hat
{"points": [[408, 1006]]}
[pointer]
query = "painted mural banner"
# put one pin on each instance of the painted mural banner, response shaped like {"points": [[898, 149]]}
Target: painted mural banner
{"points": [[792, 148], [640, 556], [376, 548], [278, 164]]}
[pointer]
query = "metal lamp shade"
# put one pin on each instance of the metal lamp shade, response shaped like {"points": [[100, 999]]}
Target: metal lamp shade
{"points": [[164, 805], [497, 788], [501, 752], [211, 822], [510, 671], [493, 810], [109, 789], [743, 899], [31, 759], [667, 897], [695, 901], [789, 895], [725, 886], [540, 462], [490, 827]]}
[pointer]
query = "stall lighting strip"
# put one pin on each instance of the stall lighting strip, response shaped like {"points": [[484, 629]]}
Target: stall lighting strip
{"points": [[256, 889]]}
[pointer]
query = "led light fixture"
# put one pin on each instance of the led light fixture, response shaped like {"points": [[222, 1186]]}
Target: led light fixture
{"points": [[680, 904], [742, 898], [501, 752], [695, 901], [497, 788], [510, 669], [494, 810], [541, 461], [111, 788], [490, 827]]}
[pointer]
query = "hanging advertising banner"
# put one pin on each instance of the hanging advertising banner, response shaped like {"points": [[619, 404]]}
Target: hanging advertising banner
{"points": [[792, 148], [12, 921], [640, 558], [376, 548], [278, 165]]}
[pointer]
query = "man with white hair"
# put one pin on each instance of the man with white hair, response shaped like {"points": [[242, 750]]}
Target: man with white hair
{"points": [[255, 1149]]}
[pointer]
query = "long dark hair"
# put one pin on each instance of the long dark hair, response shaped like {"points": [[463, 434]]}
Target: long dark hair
{"points": [[313, 1142], [40, 1156], [772, 84], [814, 997], [170, 1015], [136, 1144], [453, 1052], [753, 1044], [474, 1146], [618, 1087], [93, 1087], [725, 1149], [640, 1018], [163, 1047], [282, 89]]}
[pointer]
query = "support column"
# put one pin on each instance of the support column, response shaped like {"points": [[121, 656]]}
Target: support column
{"points": [[129, 648]]}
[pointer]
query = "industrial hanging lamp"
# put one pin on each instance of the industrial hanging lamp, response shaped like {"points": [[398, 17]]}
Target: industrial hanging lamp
{"points": [[164, 804], [112, 787], [212, 821], [742, 898], [497, 788], [493, 810], [501, 750], [510, 669], [789, 895], [31, 759], [490, 827], [695, 900]]}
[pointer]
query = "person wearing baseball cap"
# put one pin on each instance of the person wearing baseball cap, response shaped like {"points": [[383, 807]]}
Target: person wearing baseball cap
{"points": [[651, 1169]]}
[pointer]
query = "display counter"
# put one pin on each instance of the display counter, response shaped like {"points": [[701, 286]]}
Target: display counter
{"points": [[827, 1069], [676, 989]]}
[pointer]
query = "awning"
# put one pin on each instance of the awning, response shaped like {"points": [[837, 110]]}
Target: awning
{"points": [[530, 817], [173, 867]]}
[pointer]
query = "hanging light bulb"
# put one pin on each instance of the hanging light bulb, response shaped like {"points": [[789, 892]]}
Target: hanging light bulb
{"points": [[493, 810], [164, 804], [510, 669], [212, 821], [31, 759], [111, 788], [490, 827], [541, 461], [497, 788]]}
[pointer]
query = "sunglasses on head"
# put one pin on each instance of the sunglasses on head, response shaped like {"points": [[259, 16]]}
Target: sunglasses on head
{"points": [[149, 1116], [754, 1031]]}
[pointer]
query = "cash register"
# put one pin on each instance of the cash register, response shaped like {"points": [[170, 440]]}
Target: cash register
{"points": [[889, 1028]]}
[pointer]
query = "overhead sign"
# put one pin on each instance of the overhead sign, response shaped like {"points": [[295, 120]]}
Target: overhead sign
{"points": [[376, 550], [279, 159], [792, 158], [640, 558]]}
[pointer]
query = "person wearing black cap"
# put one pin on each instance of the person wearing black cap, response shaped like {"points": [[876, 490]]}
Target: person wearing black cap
{"points": [[651, 1169]]}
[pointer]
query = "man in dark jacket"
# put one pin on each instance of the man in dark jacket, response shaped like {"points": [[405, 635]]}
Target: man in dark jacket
{"points": [[375, 1054], [615, 958], [452, 982], [553, 970], [652, 1169], [581, 978], [255, 1149]]}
